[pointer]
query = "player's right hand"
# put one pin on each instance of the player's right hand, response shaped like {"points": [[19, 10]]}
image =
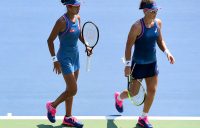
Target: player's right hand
{"points": [[127, 71], [57, 67]]}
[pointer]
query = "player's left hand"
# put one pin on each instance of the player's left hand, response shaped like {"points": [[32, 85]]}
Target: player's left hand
{"points": [[88, 50], [170, 58]]}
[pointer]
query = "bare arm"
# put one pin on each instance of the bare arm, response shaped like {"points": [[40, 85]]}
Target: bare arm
{"points": [[58, 27], [162, 45], [160, 41], [80, 36], [87, 49], [134, 32]]}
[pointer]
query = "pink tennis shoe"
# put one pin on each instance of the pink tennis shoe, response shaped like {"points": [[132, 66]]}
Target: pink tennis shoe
{"points": [[118, 103], [51, 112]]}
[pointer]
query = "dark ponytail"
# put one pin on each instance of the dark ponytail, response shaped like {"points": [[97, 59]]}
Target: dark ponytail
{"points": [[64, 1]]}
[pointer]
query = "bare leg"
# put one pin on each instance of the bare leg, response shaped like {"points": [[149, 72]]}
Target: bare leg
{"points": [[151, 83], [71, 89], [69, 101], [133, 89], [124, 94]]}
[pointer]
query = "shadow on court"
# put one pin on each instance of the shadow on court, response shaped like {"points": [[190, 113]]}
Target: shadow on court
{"points": [[50, 126], [111, 124], [138, 126], [44, 126]]}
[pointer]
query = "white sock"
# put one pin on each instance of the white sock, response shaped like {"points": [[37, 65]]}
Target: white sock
{"points": [[68, 117], [119, 98], [144, 115]]}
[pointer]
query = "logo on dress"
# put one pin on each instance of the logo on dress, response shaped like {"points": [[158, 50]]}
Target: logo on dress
{"points": [[156, 30], [71, 30]]}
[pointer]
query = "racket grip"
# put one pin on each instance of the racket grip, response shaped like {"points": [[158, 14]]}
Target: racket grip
{"points": [[88, 64], [129, 78]]}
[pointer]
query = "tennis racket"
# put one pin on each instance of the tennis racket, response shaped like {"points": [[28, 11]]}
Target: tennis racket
{"points": [[136, 91], [90, 34]]}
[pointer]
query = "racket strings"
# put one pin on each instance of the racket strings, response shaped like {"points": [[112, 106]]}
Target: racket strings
{"points": [[90, 34], [138, 97]]}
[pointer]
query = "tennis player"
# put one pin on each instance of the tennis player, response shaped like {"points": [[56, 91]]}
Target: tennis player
{"points": [[68, 29], [144, 34]]}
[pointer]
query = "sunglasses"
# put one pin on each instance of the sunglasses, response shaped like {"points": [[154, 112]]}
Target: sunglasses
{"points": [[153, 11]]}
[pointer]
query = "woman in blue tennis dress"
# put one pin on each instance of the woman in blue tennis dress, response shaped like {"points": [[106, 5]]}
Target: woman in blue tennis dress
{"points": [[144, 35], [68, 30]]}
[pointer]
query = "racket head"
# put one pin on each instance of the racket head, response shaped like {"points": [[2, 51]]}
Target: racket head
{"points": [[90, 33], [136, 91]]}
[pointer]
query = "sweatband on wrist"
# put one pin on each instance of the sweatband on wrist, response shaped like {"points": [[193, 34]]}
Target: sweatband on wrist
{"points": [[54, 58], [166, 52], [128, 63]]}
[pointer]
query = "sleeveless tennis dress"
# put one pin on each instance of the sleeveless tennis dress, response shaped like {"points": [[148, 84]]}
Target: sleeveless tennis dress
{"points": [[144, 62], [68, 53]]}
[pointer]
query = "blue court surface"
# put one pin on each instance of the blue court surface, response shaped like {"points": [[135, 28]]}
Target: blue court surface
{"points": [[27, 80]]}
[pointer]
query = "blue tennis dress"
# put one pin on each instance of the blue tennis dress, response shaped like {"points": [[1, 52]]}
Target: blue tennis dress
{"points": [[145, 44], [144, 62], [68, 53]]}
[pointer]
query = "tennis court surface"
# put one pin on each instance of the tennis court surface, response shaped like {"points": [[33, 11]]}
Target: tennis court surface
{"points": [[99, 122]]}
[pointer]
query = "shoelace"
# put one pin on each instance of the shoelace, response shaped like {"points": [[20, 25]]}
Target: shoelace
{"points": [[145, 120], [119, 103], [74, 119], [52, 110]]}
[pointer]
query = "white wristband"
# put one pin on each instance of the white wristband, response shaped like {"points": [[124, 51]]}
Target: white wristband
{"points": [[166, 52], [128, 63], [87, 44], [54, 58]]}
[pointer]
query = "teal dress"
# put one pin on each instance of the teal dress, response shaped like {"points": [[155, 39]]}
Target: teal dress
{"points": [[68, 53]]}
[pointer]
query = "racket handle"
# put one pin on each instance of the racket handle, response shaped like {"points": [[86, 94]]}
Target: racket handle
{"points": [[88, 63], [128, 82], [129, 78]]}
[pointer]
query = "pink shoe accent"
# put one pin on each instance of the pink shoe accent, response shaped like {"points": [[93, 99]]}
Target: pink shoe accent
{"points": [[66, 123], [71, 121], [72, 117], [145, 119], [50, 108], [119, 102]]}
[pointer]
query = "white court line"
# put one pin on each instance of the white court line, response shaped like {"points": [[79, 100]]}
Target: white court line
{"points": [[101, 117]]}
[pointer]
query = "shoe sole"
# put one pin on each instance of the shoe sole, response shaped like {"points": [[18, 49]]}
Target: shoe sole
{"points": [[69, 125]]}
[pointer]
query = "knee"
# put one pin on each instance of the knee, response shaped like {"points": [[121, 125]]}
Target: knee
{"points": [[71, 92], [151, 91]]}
